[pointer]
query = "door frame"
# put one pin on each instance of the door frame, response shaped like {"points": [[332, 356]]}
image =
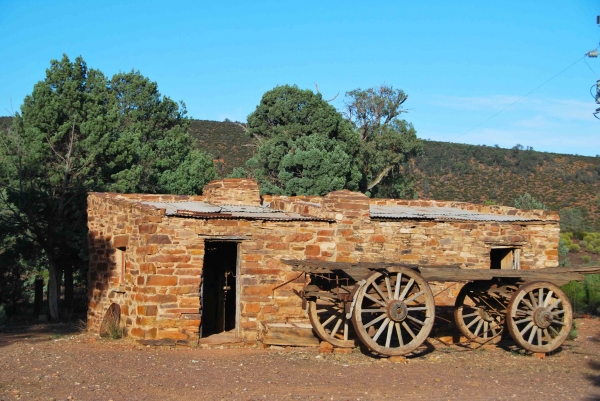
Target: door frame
{"points": [[238, 287]]}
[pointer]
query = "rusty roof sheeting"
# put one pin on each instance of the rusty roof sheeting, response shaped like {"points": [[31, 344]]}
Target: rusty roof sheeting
{"points": [[440, 213], [208, 211]]}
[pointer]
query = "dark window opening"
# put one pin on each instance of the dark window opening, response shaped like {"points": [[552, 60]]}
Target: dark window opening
{"points": [[219, 287], [505, 258]]}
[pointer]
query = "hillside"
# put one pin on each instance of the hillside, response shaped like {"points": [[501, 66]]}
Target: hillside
{"points": [[226, 141], [480, 173], [449, 171]]}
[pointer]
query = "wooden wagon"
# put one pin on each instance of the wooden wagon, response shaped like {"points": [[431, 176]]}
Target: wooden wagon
{"points": [[390, 308]]}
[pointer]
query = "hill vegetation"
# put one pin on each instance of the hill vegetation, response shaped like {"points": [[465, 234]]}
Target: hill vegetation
{"points": [[450, 171]]}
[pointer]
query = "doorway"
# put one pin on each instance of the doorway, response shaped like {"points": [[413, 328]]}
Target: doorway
{"points": [[219, 287]]}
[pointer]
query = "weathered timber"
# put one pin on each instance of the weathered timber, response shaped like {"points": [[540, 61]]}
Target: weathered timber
{"points": [[359, 270], [297, 334]]}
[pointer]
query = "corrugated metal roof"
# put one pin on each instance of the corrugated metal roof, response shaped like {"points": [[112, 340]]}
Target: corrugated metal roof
{"points": [[208, 211], [439, 213]]}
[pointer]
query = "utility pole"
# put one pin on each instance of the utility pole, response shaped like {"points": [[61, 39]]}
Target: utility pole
{"points": [[594, 54]]}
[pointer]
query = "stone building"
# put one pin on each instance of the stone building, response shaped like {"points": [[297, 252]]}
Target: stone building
{"points": [[179, 268]]}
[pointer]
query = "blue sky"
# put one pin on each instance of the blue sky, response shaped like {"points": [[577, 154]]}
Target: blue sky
{"points": [[459, 62]]}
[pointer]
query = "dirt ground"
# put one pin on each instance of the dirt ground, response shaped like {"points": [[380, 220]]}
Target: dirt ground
{"points": [[57, 362]]}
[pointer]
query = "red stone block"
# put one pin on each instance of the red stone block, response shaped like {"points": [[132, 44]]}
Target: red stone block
{"points": [[312, 250], [162, 280]]}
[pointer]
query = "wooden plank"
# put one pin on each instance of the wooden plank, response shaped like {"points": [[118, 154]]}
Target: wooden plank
{"points": [[296, 334], [441, 274]]}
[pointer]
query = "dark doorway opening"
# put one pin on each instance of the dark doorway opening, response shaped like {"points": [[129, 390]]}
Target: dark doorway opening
{"points": [[505, 258], [219, 287]]}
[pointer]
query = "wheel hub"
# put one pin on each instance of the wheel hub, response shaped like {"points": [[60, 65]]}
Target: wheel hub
{"points": [[485, 316], [397, 311], [542, 317]]}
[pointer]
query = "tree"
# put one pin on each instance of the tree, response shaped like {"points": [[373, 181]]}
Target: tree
{"points": [[387, 141], [79, 132], [528, 202], [305, 146]]}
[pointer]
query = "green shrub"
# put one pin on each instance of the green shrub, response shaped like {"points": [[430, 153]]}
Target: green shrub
{"points": [[586, 258], [592, 286], [577, 295], [574, 248], [563, 248], [584, 296]]}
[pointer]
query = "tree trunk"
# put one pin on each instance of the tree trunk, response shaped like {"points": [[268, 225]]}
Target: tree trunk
{"points": [[53, 288], [69, 288]]}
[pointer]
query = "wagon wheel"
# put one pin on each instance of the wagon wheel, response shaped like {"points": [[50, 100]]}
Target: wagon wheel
{"points": [[328, 319], [394, 312], [539, 317], [479, 313]]}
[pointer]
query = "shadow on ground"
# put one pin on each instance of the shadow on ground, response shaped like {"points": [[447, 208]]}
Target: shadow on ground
{"points": [[34, 331]]}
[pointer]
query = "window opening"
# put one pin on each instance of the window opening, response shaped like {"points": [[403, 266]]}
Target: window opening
{"points": [[505, 258]]}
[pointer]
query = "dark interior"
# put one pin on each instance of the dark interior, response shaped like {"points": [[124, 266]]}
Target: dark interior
{"points": [[496, 257], [219, 287]]}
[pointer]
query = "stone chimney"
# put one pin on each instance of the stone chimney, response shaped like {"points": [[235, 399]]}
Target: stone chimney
{"points": [[232, 191], [346, 205]]}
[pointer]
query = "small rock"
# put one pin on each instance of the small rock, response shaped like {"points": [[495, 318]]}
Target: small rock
{"points": [[342, 350], [398, 359], [325, 347]]}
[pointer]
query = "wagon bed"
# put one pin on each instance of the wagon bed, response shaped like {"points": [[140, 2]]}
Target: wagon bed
{"points": [[452, 272]]}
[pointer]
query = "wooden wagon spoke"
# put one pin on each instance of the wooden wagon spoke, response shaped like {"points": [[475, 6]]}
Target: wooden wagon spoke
{"points": [[380, 310], [541, 297], [399, 333], [553, 330], [414, 308], [473, 321], [415, 320], [408, 329], [476, 332], [346, 328], [533, 300], [532, 334], [520, 312], [547, 335], [407, 288], [486, 327], [527, 319], [398, 285], [381, 329], [388, 340], [539, 336], [555, 304], [381, 294], [471, 314], [331, 318], [547, 300], [528, 304], [558, 312], [374, 300], [415, 296], [526, 328], [388, 286], [558, 322], [372, 322], [336, 327]]}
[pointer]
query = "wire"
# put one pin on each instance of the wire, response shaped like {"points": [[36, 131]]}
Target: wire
{"points": [[519, 99], [591, 69]]}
